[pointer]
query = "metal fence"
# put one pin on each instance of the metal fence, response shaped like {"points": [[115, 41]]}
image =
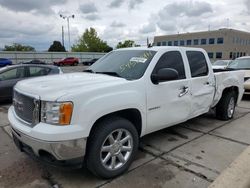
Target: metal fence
{"points": [[48, 57]]}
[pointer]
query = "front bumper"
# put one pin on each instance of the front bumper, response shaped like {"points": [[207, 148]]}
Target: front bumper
{"points": [[54, 152], [63, 153]]}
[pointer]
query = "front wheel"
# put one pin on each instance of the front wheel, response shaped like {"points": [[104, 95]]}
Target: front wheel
{"points": [[112, 146], [226, 107]]}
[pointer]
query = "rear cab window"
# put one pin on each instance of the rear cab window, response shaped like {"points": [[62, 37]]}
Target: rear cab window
{"points": [[197, 63]]}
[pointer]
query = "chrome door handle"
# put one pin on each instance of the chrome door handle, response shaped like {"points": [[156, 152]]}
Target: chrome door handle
{"points": [[184, 91]]}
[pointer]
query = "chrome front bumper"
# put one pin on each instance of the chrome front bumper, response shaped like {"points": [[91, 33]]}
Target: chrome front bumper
{"points": [[52, 151]]}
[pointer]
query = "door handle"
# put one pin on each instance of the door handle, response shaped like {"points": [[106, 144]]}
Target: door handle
{"points": [[207, 83], [184, 91]]}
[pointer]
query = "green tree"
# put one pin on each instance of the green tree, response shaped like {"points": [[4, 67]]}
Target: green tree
{"points": [[127, 44], [18, 47], [90, 42], [56, 47]]}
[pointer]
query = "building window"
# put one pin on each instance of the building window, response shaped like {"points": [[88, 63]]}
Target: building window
{"points": [[182, 43], [196, 41], [211, 41], [244, 54], [158, 44], [231, 55], [164, 43], [218, 55], [189, 42], [240, 54], [220, 40], [234, 55], [169, 43], [203, 41], [210, 55], [176, 43]]}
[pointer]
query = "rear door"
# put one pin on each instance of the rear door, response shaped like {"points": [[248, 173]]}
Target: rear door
{"points": [[8, 79], [202, 82], [169, 102]]}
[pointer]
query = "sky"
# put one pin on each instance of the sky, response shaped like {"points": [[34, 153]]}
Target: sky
{"points": [[38, 24]]}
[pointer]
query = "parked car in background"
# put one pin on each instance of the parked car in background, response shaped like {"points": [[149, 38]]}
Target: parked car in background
{"points": [[243, 63], [10, 75], [4, 62], [90, 62], [67, 61], [35, 61], [221, 64]]}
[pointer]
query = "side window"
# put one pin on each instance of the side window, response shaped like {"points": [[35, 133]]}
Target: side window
{"points": [[173, 60], [38, 71], [12, 74], [197, 63]]}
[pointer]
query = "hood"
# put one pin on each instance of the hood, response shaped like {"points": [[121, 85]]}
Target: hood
{"points": [[54, 86]]}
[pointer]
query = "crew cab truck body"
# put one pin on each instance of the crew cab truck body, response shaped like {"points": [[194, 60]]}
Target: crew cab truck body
{"points": [[97, 117]]}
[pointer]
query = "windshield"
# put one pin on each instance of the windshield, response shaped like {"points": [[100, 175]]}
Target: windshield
{"points": [[128, 64], [240, 64], [222, 63]]}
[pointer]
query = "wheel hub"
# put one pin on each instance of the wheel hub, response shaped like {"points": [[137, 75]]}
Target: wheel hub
{"points": [[116, 148]]}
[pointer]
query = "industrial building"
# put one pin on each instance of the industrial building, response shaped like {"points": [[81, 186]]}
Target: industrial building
{"points": [[219, 44]]}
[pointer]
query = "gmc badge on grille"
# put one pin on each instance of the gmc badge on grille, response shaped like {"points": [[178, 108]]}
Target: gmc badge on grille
{"points": [[18, 104]]}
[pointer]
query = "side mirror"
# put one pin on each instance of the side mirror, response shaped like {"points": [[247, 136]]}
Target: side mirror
{"points": [[164, 74]]}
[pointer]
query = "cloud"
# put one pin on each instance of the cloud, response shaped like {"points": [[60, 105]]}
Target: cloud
{"points": [[92, 17], [181, 16], [133, 3], [88, 8], [148, 28], [42, 7], [117, 24], [116, 3], [247, 2]]}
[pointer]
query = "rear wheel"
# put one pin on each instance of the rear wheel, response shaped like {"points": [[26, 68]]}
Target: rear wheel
{"points": [[112, 147], [226, 107]]}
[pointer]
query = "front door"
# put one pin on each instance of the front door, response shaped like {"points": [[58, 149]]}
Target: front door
{"points": [[168, 103]]}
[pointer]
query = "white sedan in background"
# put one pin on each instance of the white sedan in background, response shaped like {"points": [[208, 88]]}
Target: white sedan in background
{"points": [[243, 63], [221, 64]]}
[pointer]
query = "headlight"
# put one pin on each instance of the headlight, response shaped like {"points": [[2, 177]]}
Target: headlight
{"points": [[56, 113]]}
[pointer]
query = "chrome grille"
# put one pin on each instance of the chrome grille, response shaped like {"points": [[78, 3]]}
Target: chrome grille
{"points": [[25, 107]]}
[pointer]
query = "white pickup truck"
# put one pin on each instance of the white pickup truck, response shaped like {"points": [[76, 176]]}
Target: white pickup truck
{"points": [[96, 117]]}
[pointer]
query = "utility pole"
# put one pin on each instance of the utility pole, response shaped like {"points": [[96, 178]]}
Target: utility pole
{"points": [[62, 36], [67, 18]]}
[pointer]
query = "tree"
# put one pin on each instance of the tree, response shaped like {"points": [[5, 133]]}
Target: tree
{"points": [[90, 42], [56, 47], [18, 47], [126, 44]]}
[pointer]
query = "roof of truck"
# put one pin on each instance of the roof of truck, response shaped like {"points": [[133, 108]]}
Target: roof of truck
{"points": [[160, 48]]}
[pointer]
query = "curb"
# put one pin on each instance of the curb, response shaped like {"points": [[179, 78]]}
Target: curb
{"points": [[237, 175]]}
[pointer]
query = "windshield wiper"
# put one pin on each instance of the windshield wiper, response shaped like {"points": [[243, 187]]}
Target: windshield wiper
{"points": [[89, 70], [109, 73]]}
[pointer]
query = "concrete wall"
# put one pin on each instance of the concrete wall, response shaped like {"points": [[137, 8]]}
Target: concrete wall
{"points": [[48, 57]]}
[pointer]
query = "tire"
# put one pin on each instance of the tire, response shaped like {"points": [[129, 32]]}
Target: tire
{"points": [[100, 139], [226, 107]]}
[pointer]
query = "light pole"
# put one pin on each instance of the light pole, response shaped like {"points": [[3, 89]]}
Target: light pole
{"points": [[68, 17]]}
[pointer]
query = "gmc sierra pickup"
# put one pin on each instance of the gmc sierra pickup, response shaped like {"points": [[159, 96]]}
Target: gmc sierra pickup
{"points": [[96, 117]]}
